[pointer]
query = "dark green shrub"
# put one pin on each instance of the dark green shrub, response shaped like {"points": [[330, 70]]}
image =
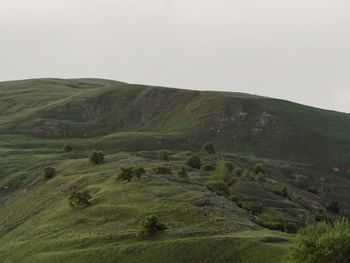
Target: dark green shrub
{"points": [[194, 161], [162, 170], [67, 148], [260, 177], [138, 172], [96, 157], [301, 181], [290, 228], [182, 172], [282, 192], [333, 207], [48, 172], [237, 172], [230, 166], [254, 208], [247, 175], [209, 148], [163, 155], [259, 169], [218, 187], [125, 173], [322, 243], [79, 199], [150, 226], [208, 168]]}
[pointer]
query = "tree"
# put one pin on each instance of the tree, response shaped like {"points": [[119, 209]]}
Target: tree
{"points": [[322, 243], [209, 148], [182, 172], [150, 226], [194, 161], [221, 172], [259, 169], [67, 148], [96, 157], [48, 172], [163, 155], [79, 199], [137, 172], [260, 177], [125, 173]]}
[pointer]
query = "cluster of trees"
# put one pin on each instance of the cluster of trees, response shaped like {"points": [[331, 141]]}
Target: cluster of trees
{"points": [[127, 173]]}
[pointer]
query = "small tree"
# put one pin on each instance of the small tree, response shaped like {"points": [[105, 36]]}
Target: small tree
{"points": [[259, 169], [137, 172], [221, 172], [96, 157], [163, 155], [237, 172], [67, 148], [182, 172], [150, 226], [79, 199], [194, 161], [209, 148], [48, 172], [260, 177], [125, 173], [162, 170], [322, 243], [218, 187]]}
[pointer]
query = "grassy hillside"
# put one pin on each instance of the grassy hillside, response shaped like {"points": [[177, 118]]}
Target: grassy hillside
{"points": [[131, 123]]}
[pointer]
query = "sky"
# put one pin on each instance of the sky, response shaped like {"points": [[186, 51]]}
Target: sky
{"points": [[297, 50]]}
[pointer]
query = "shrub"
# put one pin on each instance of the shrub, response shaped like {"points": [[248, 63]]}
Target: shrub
{"points": [[290, 228], [230, 166], [209, 148], [272, 223], [96, 157], [247, 175], [162, 170], [67, 148], [182, 172], [163, 155], [150, 226], [48, 172], [301, 181], [221, 173], [125, 173], [260, 177], [194, 161], [259, 169], [218, 187], [137, 172], [333, 207], [254, 208], [237, 172], [322, 243], [208, 168], [79, 199]]}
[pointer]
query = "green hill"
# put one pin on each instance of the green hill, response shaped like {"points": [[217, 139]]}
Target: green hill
{"points": [[131, 123]]}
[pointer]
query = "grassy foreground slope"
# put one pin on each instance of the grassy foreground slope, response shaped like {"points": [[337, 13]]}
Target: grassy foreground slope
{"points": [[130, 123]]}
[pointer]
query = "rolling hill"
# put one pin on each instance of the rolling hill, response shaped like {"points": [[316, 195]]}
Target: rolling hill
{"points": [[131, 124]]}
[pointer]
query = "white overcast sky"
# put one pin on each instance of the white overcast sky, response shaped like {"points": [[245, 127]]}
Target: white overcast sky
{"points": [[293, 49]]}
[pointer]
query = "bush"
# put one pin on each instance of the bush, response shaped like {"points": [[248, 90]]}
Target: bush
{"points": [[260, 177], [208, 168], [272, 223], [301, 181], [259, 169], [163, 155], [218, 187], [125, 173], [48, 172], [96, 157], [230, 166], [67, 148], [137, 172], [237, 172], [162, 170], [79, 199], [150, 226], [322, 243], [333, 207], [247, 175], [209, 148], [254, 208], [221, 173], [182, 172], [290, 228], [194, 161]]}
